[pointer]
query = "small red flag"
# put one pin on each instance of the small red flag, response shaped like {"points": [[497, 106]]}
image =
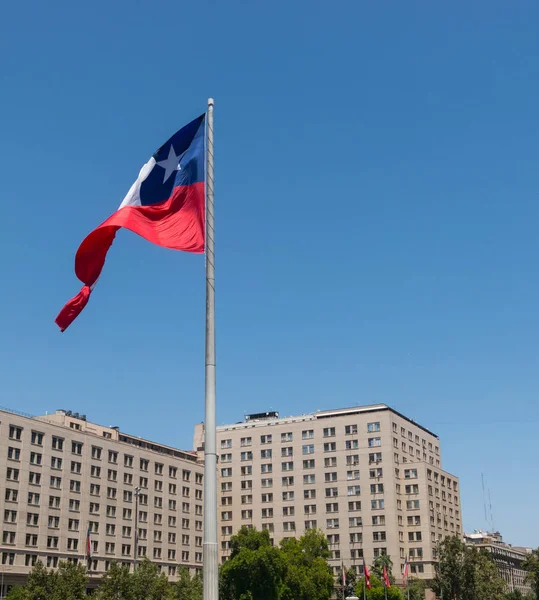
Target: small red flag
{"points": [[366, 574], [386, 578]]}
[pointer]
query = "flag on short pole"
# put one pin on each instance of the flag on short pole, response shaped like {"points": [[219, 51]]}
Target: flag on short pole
{"points": [[405, 570], [165, 206], [88, 546], [343, 575], [387, 583], [366, 574]]}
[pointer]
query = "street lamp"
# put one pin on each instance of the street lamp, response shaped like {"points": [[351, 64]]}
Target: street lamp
{"points": [[135, 545]]}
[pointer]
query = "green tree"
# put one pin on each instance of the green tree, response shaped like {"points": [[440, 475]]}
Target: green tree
{"points": [[70, 582], [17, 592], [416, 587], [308, 576], [531, 566], [116, 584], [187, 587], [378, 568], [465, 573], [377, 591], [514, 595], [249, 539], [41, 583], [255, 569], [149, 583]]}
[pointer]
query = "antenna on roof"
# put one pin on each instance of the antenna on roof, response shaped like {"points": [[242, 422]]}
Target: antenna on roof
{"points": [[491, 517], [484, 498]]}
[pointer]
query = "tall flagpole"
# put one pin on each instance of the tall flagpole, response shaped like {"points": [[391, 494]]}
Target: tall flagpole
{"points": [[210, 556]]}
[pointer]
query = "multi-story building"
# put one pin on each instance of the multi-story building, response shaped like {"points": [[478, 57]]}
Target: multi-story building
{"points": [[508, 559], [62, 477], [368, 476]]}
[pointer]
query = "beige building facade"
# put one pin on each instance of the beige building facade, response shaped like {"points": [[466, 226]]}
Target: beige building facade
{"points": [[62, 476], [369, 477], [507, 558]]}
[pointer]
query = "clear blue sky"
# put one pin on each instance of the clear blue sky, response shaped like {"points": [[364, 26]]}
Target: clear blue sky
{"points": [[377, 216]]}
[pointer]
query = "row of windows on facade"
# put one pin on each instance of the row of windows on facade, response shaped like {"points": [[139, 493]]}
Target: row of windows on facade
{"points": [[329, 477], [35, 478], [331, 492], [306, 449], [10, 558], [57, 443], [288, 451], [333, 507], [351, 460], [33, 519], [55, 502], [413, 451], [307, 434], [72, 544]]}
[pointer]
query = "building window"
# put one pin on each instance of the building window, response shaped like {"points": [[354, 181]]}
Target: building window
{"points": [[354, 490], [246, 441], [307, 434], [33, 498], [96, 452], [11, 495], [330, 447], [12, 474], [15, 433], [287, 436], [332, 523], [34, 478], [76, 448], [350, 430], [374, 441], [37, 438], [14, 453], [265, 439]]}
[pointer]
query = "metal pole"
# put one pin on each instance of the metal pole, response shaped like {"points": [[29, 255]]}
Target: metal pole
{"points": [[209, 567], [137, 492]]}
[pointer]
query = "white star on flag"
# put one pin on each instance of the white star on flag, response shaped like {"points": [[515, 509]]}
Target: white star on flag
{"points": [[171, 164]]}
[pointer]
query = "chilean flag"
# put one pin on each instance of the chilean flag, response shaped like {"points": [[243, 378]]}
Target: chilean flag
{"points": [[405, 569], [387, 583], [366, 574], [165, 206]]}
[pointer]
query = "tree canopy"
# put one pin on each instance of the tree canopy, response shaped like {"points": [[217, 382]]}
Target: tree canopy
{"points": [[466, 573], [531, 565], [296, 570]]}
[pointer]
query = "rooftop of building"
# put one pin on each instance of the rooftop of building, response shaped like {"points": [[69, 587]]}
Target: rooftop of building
{"points": [[273, 418], [113, 432], [491, 538]]}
